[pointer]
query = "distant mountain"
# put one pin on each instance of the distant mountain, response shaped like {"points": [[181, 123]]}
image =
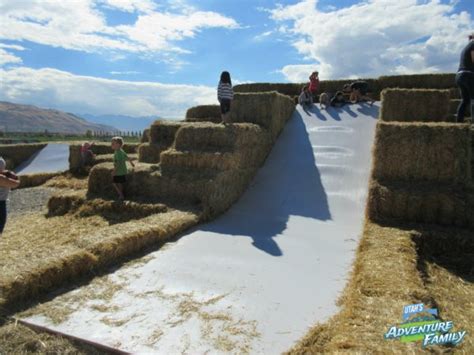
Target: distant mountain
{"points": [[27, 118], [123, 123]]}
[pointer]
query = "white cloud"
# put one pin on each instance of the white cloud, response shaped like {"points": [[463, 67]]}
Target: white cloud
{"points": [[127, 72], [12, 46], [82, 94], [130, 5], [262, 36], [8, 58], [81, 25], [374, 37], [298, 73]]}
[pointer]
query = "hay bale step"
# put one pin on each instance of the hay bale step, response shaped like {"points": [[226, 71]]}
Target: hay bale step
{"points": [[415, 105], [209, 137], [436, 152], [421, 203], [150, 153], [77, 203], [146, 182], [163, 132], [172, 161], [203, 113]]}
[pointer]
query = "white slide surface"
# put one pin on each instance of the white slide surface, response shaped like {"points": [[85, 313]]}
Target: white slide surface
{"points": [[258, 277], [51, 159]]}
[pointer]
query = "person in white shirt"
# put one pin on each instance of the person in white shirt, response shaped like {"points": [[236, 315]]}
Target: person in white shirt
{"points": [[225, 95]]}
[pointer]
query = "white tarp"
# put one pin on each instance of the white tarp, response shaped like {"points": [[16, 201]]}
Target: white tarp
{"points": [[255, 279], [51, 159]]}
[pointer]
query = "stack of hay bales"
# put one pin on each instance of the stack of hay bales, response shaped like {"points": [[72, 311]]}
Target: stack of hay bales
{"points": [[422, 170], [204, 113], [161, 137], [204, 163], [417, 81], [103, 152], [15, 154]]}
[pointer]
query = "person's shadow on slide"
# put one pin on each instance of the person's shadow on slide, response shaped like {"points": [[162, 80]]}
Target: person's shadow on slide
{"points": [[288, 184]]}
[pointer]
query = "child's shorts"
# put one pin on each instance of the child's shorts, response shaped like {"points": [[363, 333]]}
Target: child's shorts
{"points": [[3, 215], [120, 179], [225, 106]]}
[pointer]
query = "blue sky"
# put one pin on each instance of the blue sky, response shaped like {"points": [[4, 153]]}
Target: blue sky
{"points": [[145, 57]]}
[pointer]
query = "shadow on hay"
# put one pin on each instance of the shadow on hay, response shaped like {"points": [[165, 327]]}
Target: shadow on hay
{"points": [[450, 248], [289, 184]]}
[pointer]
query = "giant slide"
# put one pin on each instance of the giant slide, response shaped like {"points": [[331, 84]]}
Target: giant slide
{"points": [[51, 159], [255, 279]]}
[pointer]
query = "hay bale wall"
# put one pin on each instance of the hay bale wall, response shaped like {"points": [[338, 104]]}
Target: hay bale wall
{"points": [[75, 160], [160, 137], [150, 153], [204, 113], [15, 154], [418, 81], [269, 110], [422, 171], [204, 163], [32, 180], [423, 105], [434, 152], [163, 132]]}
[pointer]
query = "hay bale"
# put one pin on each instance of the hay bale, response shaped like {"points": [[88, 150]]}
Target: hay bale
{"points": [[145, 136], [418, 81], [224, 190], [31, 180], [415, 105], [212, 138], [173, 161], [16, 154], [150, 153], [436, 152], [270, 110], [163, 132], [204, 113], [60, 204], [289, 89], [205, 119], [419, 203]]}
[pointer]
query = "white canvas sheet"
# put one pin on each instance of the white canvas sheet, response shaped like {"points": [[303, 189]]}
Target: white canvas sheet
{"points": [[255, 279]]}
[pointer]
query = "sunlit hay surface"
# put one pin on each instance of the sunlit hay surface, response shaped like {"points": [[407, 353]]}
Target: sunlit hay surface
{"points": [[32, 180], [68, 181], [32, 239], [386, 276], [38, 254], [18, 339]]}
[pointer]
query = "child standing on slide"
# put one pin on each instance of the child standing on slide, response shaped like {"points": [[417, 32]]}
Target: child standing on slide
{"points": [[8, 180], [314, 84], [119, 174]]}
